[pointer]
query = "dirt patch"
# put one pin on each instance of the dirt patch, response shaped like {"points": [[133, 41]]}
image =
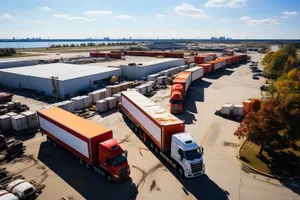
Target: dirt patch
{"points": [[153, 185], [125, 139], [231, 144], [145, 174]]}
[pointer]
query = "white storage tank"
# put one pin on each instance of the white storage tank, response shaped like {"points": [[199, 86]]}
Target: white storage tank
{"points": [[142, 89], [227, 109], [78, 103], [117, 96], [11, 114], [5, 123], [98, 95], [112, 102], [31, 119], [19, 123], [102, 105], [152, 77], [162, 80], [238, 110], [86, 101]]}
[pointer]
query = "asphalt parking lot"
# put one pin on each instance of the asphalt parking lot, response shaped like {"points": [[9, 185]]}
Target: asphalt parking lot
{"points": [[225, 177]]}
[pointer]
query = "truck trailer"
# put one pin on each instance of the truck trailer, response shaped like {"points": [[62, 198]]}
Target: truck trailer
{"points": [[93, 144], [180, 85], [164, 133]]}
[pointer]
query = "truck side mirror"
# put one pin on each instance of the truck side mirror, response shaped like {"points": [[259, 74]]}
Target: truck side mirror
{"points": [[126, 153]]}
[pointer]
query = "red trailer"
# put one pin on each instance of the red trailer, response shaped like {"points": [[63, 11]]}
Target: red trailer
{"points": [[92, 143], [114, 55]]}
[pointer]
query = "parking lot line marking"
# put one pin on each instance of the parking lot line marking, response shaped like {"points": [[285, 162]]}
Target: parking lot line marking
{"points": [[206, 134]]}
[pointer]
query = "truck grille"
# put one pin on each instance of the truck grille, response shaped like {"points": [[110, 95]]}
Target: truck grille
{"points": [[123, 171], [196, 167]]}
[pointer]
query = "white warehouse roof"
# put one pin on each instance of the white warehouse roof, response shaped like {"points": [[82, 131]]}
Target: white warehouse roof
{"points": [[60, 70]]}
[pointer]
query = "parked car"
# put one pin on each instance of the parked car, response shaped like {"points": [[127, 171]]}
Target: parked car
{"points": [[255, 77], [4, 195], [21, 188], [256, 70]]}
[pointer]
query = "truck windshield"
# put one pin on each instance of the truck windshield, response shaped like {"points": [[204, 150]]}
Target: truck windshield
{"points": [[118, 160], [174, 101], [193, 154]]}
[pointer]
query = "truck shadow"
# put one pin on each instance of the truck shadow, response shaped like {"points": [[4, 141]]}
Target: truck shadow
{"points": [[219, 74], [84, 181], [201, 187]]}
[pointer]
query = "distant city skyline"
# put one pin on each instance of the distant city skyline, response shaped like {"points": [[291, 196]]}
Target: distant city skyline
{"points": [[188, 19]]}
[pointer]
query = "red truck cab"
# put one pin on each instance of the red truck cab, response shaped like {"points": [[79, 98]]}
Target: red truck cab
{"points": [[176, 98], [113, 159]]}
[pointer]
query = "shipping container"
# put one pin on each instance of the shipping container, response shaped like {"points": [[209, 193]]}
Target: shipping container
{"points": [[207, 68], [76, 134], [159, 124], [114, 55], [197, 73]]}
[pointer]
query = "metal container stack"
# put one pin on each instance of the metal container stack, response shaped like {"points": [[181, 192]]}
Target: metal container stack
{"points": [[152, 77], [142, 89], [98, 95], [238, 110], [78, 103], [102, 106], [87, 101], [19, 123], [5, 123], [227, 109], [31, 119], [117, 96], [162, 80], [112, 102]]}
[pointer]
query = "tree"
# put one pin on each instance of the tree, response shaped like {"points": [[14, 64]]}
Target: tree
{"points": [[289, 84], [280, 62], [261, 127]]}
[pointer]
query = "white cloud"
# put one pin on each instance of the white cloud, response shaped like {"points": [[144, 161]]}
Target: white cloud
{"points": [[226, 3], [225, 19], [98, 12], [6, 16], [288, 14], [46, 8], [246, 18], [35, 21], [258, 22], [73, 18], [124, 17], [190, 11], [160, 16]]}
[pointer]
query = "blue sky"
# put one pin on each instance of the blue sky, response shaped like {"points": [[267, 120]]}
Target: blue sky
{"points": [[150, 19]]}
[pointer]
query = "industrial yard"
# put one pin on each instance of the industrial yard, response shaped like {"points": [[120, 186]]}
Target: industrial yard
{"points": [[151, 177]]}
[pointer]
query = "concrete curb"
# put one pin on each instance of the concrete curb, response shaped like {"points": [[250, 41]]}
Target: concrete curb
{"points": [[260, 172]]}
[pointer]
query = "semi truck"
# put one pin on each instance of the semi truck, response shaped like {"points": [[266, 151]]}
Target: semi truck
{"points": [[180, 85], [93, 144], [164, 133]]}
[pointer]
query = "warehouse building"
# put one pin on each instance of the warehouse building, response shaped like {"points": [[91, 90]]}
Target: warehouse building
{"points": [[58, 80], [16, 63], [136, 71]]}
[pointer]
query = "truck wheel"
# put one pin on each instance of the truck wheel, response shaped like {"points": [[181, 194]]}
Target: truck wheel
{"points": [[156, 150], [151, 145], [180, 171], [54, 144], [109, 178], [87, 165], [80, 161]]}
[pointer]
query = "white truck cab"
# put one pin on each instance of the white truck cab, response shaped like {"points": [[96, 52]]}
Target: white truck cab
{"points": [[20, 188], [4, 195], [186, 152]]}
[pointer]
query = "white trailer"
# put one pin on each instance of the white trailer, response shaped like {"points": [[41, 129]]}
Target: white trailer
{"points": [[197, 73]]}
